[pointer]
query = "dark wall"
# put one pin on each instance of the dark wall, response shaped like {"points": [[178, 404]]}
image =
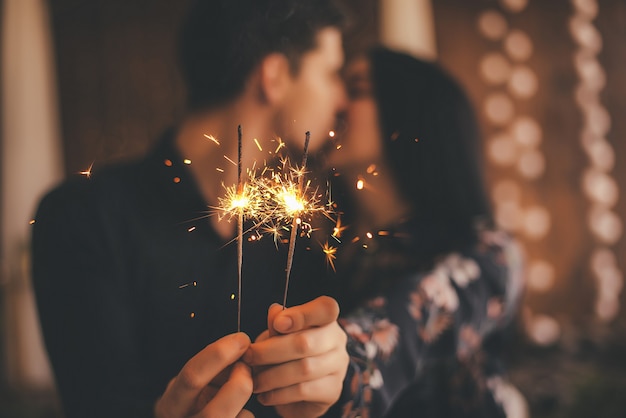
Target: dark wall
{"points": [[119, 85]]}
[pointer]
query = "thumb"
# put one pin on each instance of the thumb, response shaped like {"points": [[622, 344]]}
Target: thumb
{"points": [[272, 313]]}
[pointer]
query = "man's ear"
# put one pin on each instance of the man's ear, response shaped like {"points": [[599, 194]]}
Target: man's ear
{"points": [[275, 77]]}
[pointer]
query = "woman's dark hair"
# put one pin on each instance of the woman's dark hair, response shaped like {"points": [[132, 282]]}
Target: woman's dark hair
{"points": [[221, 41], [431, 143]]}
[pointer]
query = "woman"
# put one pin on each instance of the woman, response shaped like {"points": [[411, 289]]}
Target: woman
{"points": [[431, 285]]}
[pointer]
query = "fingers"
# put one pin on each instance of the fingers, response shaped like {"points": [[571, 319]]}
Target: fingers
{"points": [[284, 348], [297, 371], [245, 414], [273, 311], [325, 391], [232, 396], [318, 312], [205, 397], [262, 336], [180, 397], [221, 377]]}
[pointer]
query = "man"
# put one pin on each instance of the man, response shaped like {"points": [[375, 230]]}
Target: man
{"points": [[135, 292]]}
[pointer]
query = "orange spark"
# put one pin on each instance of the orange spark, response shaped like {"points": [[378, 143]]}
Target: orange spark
{"points": [[86, 173], [338, 229], [331, 254]]}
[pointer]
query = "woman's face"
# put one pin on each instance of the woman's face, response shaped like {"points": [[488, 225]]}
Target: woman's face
{"points": [[360, 142]]}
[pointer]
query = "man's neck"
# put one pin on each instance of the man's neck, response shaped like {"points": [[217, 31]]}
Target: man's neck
{"points": [[209, 140]]}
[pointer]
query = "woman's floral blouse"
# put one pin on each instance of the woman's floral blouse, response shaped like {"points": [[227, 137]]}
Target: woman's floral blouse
{"points": [[429, 343]]}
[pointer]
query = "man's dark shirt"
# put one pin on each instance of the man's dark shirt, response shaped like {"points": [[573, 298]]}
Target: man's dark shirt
{"points": [[132, 281]]}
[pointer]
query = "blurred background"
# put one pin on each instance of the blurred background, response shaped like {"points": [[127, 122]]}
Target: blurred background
{"points": [[88, 82]]}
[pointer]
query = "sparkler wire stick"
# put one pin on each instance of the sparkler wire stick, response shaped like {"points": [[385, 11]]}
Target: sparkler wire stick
{"points": [[294, 223], [239, 229]]}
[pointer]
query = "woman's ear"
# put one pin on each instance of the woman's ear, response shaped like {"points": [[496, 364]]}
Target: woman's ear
{"points": [[275, 77]]}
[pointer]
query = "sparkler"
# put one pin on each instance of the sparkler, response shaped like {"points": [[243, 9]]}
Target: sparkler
{"points": [[239, 230], [237, 202], [276, 199], [295, 205]]}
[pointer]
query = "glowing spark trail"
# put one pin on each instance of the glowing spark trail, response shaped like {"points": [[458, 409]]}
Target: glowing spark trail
{"points": [[212, 138], [230, 161]]}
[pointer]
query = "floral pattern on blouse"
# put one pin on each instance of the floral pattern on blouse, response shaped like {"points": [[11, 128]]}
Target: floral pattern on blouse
{"points": [[442, 316]]}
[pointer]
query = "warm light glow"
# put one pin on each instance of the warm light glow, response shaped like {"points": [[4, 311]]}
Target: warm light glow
{"points": [[360, 184], [187, 161], [492, 25], [239, 202], [331, 134], [291, 203], [272, 197], [256, 141], [247, 202]]}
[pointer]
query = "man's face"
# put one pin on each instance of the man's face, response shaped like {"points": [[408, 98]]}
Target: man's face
{"points": [[317, 93]]}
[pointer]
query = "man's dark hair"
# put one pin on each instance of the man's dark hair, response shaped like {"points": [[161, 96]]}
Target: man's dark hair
{"points": [[222, 41]]}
